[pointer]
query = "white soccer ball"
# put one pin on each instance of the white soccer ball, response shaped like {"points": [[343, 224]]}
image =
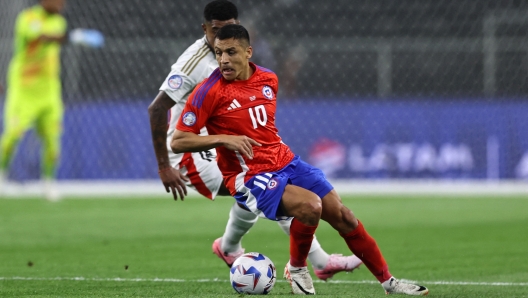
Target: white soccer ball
{"points": [[253, 273]]}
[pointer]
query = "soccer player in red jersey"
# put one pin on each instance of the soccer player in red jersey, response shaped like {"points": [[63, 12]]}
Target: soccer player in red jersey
{"points": [[237, 105], [194, 65]]}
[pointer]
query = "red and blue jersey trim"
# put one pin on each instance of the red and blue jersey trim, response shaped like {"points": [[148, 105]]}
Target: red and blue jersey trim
{"points": [[265, 69], [201, 93]]}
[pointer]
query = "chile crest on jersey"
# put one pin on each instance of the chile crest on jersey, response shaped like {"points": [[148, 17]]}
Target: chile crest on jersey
{"points": [[267, 92], [273, 183]]}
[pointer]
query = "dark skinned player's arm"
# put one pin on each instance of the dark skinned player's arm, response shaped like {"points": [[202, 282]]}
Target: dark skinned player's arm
{"points": [[158, 126]]}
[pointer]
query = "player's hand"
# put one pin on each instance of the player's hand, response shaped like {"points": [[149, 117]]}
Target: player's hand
{"points": [[242, 144], [174, 181]]}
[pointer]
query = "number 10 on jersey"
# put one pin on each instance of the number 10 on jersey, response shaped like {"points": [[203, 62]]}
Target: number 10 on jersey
{"points": [[258, 116]]}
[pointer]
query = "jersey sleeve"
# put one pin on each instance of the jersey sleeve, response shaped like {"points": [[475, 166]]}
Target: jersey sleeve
{"points": [[62, 25], [178, 85], [194, 116], [29, 28], [274, 83], [189, 70], [271, 79], [25, 29]]}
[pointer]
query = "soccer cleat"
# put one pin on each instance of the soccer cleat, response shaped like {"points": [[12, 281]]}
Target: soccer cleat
{"points": [[337, 263], [228, 258], [395, 286], [51, 192], [300, 280]]}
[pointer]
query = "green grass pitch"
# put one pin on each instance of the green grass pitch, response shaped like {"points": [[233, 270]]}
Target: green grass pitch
{"points": [[156, 247]]}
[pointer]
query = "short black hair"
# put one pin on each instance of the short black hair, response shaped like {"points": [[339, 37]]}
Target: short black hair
{"points": [[238, 32], [221, 10]]}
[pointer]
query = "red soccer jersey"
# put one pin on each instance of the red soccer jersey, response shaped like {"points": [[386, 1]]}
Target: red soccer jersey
{"points": [[239, 108]]}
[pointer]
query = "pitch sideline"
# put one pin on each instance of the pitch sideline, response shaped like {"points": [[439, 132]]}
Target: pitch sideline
{"points": [[146, 188], [175, 280]]}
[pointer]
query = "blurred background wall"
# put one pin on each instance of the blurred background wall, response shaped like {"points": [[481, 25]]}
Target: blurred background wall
{"points": [[409, 89]]}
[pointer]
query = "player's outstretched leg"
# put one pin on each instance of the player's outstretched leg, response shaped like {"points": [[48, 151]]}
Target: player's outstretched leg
{"points": [[360, 241], [325, 266], [362, 244], [228, 247]]}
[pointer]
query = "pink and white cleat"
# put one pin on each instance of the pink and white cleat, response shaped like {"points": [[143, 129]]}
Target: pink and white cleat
{"points": [[338, 263], [228, 258]]}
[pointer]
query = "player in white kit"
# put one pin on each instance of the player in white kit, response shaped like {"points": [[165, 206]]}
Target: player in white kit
{"points": [[199, 170]]}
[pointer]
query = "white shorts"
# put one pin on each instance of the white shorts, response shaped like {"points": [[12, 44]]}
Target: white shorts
{"points": [[202, 170]]}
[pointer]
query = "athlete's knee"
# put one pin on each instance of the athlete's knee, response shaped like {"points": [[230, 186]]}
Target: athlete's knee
{"points": [[302, 204], [10, 140], [311, 211], [13, 134]]}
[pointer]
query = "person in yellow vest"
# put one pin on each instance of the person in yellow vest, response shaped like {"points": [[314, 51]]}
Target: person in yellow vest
{"points": [[33, 98]]}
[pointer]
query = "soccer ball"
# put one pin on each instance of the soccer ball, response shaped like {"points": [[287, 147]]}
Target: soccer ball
{"points": [[253, 273]]}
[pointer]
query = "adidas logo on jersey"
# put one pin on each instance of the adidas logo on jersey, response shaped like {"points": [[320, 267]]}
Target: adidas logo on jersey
{"points": [[234, 104]]}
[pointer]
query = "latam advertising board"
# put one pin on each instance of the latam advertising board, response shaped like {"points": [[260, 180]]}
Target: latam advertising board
{"points": [[414, 139]]}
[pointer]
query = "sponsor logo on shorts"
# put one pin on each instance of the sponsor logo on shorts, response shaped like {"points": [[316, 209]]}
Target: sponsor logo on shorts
{"points": [[189, 119], [273, 183], [175, 82], [267, 92]]}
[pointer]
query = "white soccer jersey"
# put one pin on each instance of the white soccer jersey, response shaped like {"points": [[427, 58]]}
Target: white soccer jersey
{"points": [[195, 64], [191, 68]]}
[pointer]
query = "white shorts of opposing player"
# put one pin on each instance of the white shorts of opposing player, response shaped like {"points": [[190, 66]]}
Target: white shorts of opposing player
{"points": [[205, 167]]}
